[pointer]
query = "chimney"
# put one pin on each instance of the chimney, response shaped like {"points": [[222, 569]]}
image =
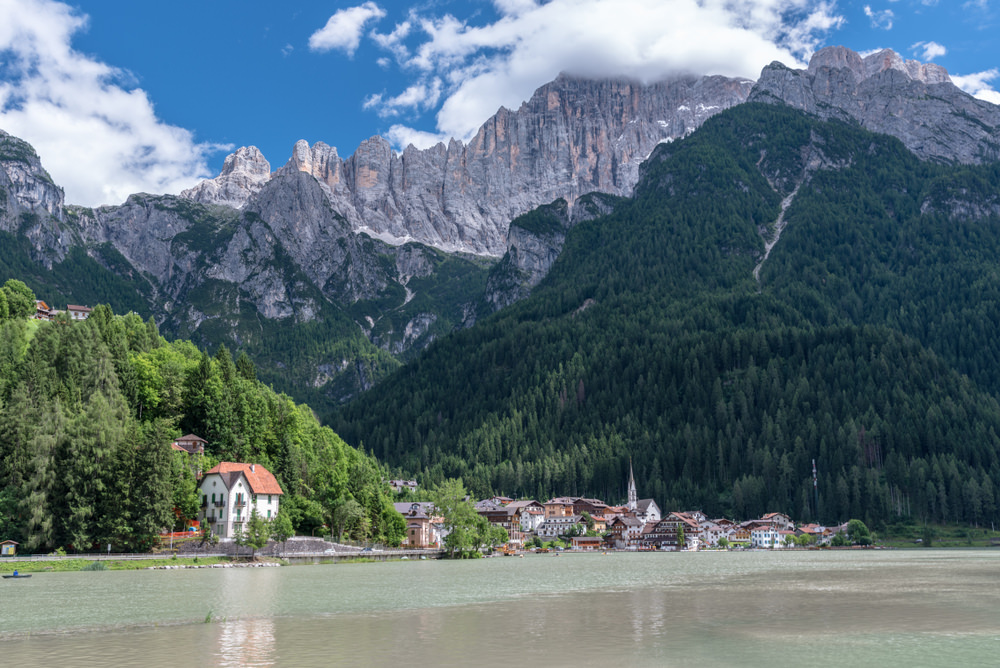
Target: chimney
{"points": [[253, 468]]}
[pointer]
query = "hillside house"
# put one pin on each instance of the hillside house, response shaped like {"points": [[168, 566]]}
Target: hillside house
{"points": [[42, 311], [191, 444], [78, 312], [230, 492], [403, 485]]}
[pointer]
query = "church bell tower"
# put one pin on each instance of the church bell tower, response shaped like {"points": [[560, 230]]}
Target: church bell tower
{"points": [[633, 498]]}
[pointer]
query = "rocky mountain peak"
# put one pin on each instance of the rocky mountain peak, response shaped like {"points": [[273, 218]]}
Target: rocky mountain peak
{"points": [[243, 175], [320, 160], [572, 137], [25, 186], [912, 101], [865, 67], [246, 160]]}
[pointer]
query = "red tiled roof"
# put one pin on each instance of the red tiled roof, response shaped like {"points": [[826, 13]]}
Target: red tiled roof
{"points": [[174, 446], [260, 479]]}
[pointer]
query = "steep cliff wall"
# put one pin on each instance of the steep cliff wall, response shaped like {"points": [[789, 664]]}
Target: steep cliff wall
{"points": [[914, 102], [574, 136]]}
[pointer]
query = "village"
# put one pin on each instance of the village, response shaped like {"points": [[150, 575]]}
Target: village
{"points": [[231, 492], [582, 523]]}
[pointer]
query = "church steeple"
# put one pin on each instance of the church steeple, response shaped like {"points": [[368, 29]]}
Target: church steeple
{"points": [[633, 498]]}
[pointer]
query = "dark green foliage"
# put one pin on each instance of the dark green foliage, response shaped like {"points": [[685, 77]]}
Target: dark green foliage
{"points": [[867, 345], [90, 409], [19, 300], [545, 220], [78, 279]]}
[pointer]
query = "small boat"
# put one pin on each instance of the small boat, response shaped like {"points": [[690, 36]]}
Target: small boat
{"points": [[17, 575]]}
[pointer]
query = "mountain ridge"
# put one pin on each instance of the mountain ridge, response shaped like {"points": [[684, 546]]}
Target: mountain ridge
{"points": [[572, 137]]}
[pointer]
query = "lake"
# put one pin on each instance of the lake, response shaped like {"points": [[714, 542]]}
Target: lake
{"points": [[860, 608]]}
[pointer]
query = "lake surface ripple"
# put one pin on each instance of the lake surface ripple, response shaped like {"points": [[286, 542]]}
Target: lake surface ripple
{"points": [[870, 608]]}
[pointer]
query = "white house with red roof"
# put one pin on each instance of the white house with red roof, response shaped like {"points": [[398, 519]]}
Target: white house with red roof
{"points": [[230, 492]]}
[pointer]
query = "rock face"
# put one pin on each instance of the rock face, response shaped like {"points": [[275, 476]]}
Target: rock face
{"points": [[574, 136], [914, 102], [244, 174], [534, 242], [30, 203]]}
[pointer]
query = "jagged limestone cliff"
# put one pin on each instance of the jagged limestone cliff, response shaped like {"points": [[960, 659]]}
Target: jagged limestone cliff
{"points": [[574, 136], [914, 102]]}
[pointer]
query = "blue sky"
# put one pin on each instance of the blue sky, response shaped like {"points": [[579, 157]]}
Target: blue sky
{"points": [[125, 97]]}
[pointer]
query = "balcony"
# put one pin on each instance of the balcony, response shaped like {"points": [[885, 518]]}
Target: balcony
{"points": [[210, 519], [240, 503], [219, 504]]}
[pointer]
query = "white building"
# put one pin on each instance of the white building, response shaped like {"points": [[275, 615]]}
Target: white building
{"points": [[766, 537], [230, 492], [648, 512], [560, 526]]}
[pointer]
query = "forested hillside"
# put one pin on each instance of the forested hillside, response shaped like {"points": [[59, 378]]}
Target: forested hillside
{"points": [[88, 410], [866, 344]]}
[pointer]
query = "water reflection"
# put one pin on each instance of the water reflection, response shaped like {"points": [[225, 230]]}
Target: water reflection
{"points": [[872, 609], [246, 642]]}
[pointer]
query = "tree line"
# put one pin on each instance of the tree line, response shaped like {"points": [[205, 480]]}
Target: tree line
{"points": [[867, 344], [88, 410]]}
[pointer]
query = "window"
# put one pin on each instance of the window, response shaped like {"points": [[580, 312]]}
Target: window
{"points": [[255, 499], [269, 514], [268, 499]]}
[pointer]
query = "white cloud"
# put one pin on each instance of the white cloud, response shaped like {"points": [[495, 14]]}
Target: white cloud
{"points": [[486, 66], [880, 19], [420, 96], [977, 86], [394, 41], [98, 139], [402, 136], [928, 51], [343, 30]]}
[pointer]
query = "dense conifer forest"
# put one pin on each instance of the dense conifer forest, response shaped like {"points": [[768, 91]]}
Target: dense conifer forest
{"points": [[868, 344], [88, 410]]}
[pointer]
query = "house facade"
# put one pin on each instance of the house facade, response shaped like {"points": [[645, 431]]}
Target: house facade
{"points": [[423, 527], [646, 511], [530, 514], [230, 492], [403, 485], [506, 517], [560, 526]]}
